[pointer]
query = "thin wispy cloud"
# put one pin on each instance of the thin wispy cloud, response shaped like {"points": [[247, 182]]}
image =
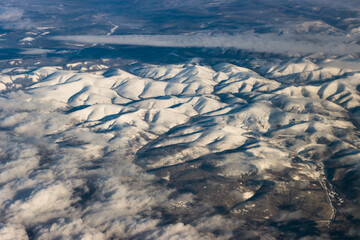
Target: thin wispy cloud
{"points": [[269, 43], [10, 14], [35, 51], [13, 18]]}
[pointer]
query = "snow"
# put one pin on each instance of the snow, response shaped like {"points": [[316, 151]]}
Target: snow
{"points": [[306, 71], [71, 65], [76, 146], [27, 39]]}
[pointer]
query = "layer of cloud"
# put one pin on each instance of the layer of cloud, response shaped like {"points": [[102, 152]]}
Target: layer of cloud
{"points": [[36, 51], [10, 14], [269, 43], [13, 18]]}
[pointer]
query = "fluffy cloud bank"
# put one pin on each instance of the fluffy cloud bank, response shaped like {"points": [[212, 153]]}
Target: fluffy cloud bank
{"points": [[269, 43]]}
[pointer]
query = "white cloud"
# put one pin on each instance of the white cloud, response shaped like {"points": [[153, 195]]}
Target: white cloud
{"points": [[12, 231], [67, 229], [13, 18], [10, 14], [42, 204], [270, 43], [36, 51], [176, 231]]}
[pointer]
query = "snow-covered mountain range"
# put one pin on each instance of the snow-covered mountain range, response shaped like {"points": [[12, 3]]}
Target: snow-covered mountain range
{"points": [[168, 119], [180, 151]]}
